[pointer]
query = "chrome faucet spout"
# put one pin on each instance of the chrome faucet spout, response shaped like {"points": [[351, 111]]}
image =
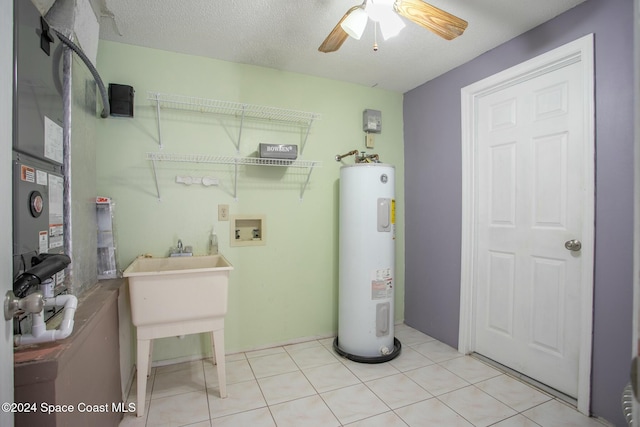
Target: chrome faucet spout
{"points": [[181, 250]]}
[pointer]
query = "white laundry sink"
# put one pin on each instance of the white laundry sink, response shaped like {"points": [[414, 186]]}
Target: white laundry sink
{"points": [[175, 289], [177, 296]]}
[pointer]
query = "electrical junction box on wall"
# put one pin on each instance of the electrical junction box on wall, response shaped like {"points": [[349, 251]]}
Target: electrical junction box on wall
{"points": [[121, 100], [372, 121]]}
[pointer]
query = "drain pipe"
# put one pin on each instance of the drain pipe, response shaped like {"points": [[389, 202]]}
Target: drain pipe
{"points": [[39, 332]]}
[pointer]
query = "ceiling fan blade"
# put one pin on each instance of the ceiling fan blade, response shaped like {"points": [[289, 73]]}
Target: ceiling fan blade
{"points": [[337, 36], [430, 17]]}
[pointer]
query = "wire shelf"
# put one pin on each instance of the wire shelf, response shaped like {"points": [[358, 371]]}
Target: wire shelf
{"points": [[203, 105], [230, 160], [240, 111]]}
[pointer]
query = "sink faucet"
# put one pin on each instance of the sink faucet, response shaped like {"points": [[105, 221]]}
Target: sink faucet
{"points": [[181, 250]]}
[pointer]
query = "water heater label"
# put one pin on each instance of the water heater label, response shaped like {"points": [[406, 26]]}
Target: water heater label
{"points": [[393, 211], [382, 284]]}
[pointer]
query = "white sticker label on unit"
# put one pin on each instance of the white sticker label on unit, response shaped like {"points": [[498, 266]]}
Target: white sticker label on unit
{"points": [[41, 177], [56, 220], [52, 140], [56, 199], [59, 277], [56, 237], [43, 242], [378, 289], [382, 284]]}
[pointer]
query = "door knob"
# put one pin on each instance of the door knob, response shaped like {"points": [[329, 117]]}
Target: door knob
{"points": [[634, 378], [32, 303], [573, 245]]}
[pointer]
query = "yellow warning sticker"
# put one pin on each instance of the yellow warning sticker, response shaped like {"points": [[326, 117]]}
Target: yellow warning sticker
{"points": [[393, 211]]}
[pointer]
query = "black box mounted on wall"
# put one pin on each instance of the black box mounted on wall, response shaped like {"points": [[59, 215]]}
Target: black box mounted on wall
{"points": [[121, 100]]}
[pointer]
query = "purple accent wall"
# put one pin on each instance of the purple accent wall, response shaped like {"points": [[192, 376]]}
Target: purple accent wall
{"points": [[433, 188]]}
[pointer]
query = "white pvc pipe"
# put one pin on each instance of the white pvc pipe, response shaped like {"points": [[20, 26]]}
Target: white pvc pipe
{"points": [[39, 332]]}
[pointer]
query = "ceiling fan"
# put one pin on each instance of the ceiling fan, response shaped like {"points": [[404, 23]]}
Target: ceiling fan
{"points": [[382, 13]]}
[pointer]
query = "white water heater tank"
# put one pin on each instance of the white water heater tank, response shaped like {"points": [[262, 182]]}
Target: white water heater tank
{"points": [[367, 263]]}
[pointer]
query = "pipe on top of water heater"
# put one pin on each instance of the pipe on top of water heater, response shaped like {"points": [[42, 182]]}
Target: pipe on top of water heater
{"points": [[362, 158]]}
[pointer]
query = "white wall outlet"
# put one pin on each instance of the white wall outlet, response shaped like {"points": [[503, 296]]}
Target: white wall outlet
{"points": [[223, 212]]}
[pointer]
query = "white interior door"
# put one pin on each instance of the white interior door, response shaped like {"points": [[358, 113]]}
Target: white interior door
{"points": [[528, 236], [530, 203], [6, 84]]}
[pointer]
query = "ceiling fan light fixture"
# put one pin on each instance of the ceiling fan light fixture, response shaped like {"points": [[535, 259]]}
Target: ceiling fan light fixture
{"points": [[388, 13], [355, 23], [387, 3], [377, 11], [382, 12], [391, 25]]}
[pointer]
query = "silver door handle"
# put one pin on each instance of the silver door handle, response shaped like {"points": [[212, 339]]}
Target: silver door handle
{"points": [[634, 378], [573, 245], [13, 305]]}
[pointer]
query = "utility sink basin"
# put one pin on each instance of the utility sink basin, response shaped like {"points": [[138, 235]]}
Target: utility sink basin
{"points": [[177, 296], [176, 289]]}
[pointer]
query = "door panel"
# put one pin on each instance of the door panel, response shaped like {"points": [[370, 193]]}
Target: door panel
{"points": [[549, 186], [548, 305], [501, 285], [503, 184]]}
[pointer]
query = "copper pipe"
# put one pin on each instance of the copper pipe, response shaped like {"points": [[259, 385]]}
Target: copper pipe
{"points": [[350, 153]]}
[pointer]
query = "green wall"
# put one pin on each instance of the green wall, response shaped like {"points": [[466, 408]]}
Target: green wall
{"points": [[287, 289]]}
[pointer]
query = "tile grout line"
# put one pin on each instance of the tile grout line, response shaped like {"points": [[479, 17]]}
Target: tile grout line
{"points": [[206, 390]]}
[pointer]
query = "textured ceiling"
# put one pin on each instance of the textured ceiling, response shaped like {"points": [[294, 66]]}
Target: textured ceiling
{"points": [[285, 35]]}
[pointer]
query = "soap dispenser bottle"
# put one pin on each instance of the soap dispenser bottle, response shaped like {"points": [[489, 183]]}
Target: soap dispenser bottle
{"points": [[213, 243]]}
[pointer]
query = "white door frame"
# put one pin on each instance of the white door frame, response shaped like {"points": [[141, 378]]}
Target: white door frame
{"points": [[635, 342], [6, 247], [579, 51]]}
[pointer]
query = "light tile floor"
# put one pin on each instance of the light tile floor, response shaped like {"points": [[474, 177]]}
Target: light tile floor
{"points": [[308, 384]]}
